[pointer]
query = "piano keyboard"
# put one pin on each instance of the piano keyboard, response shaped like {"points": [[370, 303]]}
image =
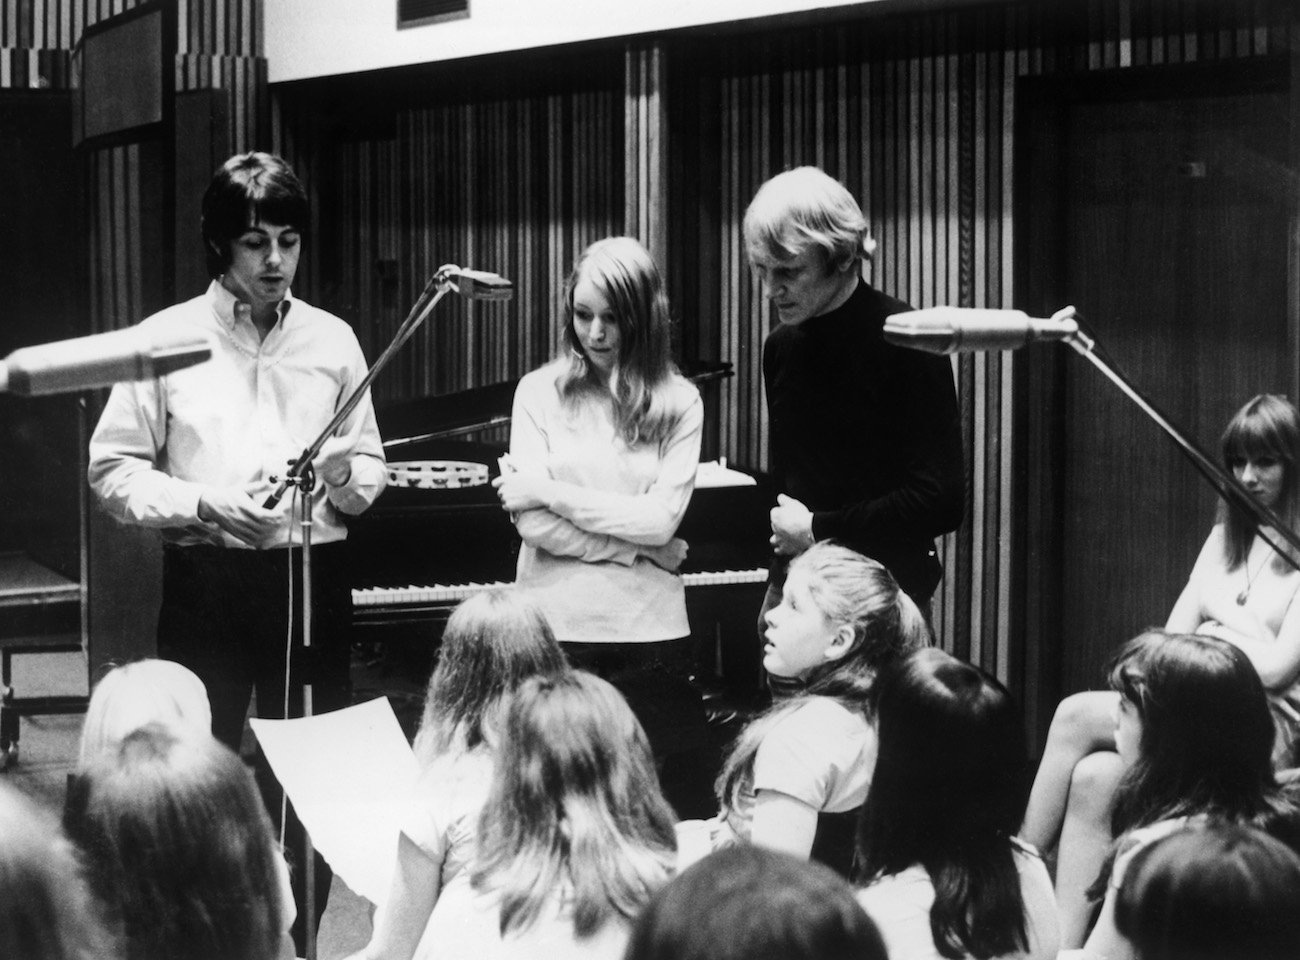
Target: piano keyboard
{"points": [[454, 593]]}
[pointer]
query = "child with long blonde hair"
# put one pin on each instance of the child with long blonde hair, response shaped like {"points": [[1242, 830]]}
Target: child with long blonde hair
{"points": [[574, 839], [493, 642], [841, 620]]}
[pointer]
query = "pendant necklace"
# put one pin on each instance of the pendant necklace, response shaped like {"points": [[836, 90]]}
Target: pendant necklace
{"points": [[1250, 578]]}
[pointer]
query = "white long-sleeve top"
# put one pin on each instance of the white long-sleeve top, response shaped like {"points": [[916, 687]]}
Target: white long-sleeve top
{"points": [[581, 558], [236, 420]]}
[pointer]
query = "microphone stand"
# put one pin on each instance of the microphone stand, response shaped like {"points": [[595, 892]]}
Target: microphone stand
{"points": [[302, 476], [1225, 484]]}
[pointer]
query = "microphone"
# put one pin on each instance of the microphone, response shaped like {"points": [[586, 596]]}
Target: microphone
{"points": [[99, 360], [963, 330], [479, 284]]}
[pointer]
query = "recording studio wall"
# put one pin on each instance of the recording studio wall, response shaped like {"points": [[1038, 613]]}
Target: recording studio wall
{"points": [[513, 167], [514, 163]]}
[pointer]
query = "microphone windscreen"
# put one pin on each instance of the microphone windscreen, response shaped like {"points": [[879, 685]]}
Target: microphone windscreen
{"points": [[481, 285]]}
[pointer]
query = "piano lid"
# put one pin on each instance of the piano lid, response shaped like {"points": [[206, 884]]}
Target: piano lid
{"points": [[479, 408]]}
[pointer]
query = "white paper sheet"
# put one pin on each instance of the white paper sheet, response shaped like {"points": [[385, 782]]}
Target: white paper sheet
{"points": [[349, 774]]}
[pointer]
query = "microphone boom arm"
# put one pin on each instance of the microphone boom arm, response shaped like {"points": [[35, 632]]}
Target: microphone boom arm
{"points": [[1225, 484], [433, 291]]}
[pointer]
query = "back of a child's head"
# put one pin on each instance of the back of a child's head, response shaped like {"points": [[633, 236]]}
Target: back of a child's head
{"points": [[951, 762], [1207, 734], [947, 794], [855, 590], [46, 911], [178, 848], [752, 903], [576, 803], [1210, 892], [493, 641], [138, 693]]}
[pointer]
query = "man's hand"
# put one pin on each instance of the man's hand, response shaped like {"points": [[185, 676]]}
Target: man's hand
{"points": [[234, 510], [791, 527], [333, 462], [669, 556]]}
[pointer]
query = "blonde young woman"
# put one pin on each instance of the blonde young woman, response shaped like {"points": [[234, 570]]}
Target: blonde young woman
{"points": [[604, 447]]}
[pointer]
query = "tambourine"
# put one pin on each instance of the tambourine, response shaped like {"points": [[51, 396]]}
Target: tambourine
{"points": [[437, 474]]}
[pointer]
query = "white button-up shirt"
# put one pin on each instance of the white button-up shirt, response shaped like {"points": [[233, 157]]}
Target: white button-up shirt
{"points": [[235, 421]]}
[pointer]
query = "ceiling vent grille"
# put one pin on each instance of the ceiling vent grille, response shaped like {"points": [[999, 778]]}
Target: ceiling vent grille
{"points": [[412, 13]]}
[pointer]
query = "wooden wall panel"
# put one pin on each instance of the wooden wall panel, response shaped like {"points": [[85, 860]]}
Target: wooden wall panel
{"points": [[915, 114], [517, 185], [218, 47], [913, 111]]}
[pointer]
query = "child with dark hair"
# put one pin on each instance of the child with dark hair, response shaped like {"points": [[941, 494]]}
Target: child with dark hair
{"points": [[575, 836], [798, 774], [751, 903], [945, 875], [1207, 892], [179, 850], [1194, 733], [1241, 590], [46, 911], [493, 642]]}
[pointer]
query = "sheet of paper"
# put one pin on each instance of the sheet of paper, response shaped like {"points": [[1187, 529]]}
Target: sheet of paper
{"points": [[349, 774]]}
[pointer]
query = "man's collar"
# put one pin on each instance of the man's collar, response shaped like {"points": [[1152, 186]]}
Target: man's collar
{"points": [[230, 309]]}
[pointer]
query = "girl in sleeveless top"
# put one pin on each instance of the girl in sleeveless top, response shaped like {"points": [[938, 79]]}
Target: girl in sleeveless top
{"points": [[1240, 590]]}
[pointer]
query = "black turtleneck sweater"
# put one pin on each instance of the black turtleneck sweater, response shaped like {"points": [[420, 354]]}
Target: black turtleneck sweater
{"points": [[867, 436]]}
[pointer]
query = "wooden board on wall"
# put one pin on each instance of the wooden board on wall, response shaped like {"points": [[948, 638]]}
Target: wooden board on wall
{"points": [[1168, 236], [202, 120], [42, 298]]}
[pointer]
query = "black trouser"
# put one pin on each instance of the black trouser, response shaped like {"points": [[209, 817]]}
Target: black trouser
{"points": [[225, 615], [654, 678]]}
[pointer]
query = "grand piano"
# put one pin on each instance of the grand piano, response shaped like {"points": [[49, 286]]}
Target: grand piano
{"points": [[419, 551]]}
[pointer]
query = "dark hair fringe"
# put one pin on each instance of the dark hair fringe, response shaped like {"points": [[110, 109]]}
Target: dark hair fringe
{"points": [[249, 188]]}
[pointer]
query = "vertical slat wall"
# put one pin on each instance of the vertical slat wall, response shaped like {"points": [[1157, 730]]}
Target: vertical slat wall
{"points": [[645, 149], [517, 185], [915, 114], [218, 47], [914, 111]]}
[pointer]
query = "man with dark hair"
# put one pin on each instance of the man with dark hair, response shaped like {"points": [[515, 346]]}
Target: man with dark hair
{"points": [[192, 454]]}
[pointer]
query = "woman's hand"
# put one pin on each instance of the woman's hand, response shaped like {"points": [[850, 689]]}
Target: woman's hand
{"points": [[523, 491], [669, 556]]}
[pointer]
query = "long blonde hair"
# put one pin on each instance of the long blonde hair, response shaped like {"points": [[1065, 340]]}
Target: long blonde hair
{"points": [[46, 908], [493, 642], [626, 275], [849, 589], [575, 808], [138, 693]]}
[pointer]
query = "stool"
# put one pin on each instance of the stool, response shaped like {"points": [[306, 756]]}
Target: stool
{"points": [[40, 612]]}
